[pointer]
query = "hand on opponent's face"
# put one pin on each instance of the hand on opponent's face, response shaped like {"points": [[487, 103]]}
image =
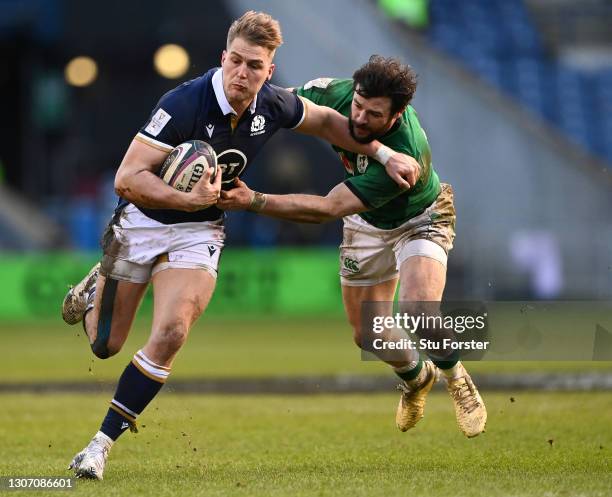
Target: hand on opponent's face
{"points": [[237, 199]]}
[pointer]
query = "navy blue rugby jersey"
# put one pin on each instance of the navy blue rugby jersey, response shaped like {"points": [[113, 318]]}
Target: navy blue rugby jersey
{"points": [[199, 110]]}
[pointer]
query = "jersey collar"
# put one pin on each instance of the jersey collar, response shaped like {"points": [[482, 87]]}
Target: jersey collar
{"points": [[226, 108]]}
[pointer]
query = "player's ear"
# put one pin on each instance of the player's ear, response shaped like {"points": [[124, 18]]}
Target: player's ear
{"points": [[223, 56], [270, 72], [398, 114]]}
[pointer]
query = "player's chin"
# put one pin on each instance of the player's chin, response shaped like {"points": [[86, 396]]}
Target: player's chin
{"points": [[362, 138]]}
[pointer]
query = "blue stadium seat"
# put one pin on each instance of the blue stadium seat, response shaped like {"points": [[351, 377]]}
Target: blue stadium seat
{"points": [[499, 42]]}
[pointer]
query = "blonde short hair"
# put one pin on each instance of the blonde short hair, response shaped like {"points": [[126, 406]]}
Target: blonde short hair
{"points": [[257, 28]]}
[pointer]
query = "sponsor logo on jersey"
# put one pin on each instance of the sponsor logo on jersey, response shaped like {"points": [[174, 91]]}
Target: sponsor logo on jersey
{"points": [[347, 164], [232, 162], [351, 265], [209, 129], [257, 125], [362, 163], [158, 121]]}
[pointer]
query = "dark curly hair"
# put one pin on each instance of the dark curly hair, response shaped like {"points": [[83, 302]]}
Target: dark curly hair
{"points": [[386, 77]]}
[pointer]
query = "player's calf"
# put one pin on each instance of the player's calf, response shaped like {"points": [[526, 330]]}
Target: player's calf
{"points": [[140, 382], [106, 306]]}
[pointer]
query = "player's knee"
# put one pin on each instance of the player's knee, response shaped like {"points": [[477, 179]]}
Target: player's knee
{"points": [[106, 345], [172, 336], [104, 350]]}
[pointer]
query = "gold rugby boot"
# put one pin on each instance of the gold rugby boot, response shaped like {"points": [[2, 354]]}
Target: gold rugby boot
{"points": [[411, 406], [470, 410]]}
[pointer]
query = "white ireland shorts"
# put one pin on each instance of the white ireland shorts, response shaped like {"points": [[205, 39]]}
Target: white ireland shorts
{"points": [[136, 247], [370, 255]]}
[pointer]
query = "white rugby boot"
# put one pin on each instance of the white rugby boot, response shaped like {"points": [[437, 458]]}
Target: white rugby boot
{"points": [[470, 410], [80, 297], [90, 462], [411, 407]]}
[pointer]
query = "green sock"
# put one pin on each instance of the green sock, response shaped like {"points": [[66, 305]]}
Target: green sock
{"points": [[409, 372], [449, 363]]}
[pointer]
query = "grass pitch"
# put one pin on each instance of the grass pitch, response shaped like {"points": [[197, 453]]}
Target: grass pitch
{"points": [[250, 348], [544, 445]]}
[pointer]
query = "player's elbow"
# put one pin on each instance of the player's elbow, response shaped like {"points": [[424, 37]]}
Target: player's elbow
{"points": [[122, 184], [333, 210]]}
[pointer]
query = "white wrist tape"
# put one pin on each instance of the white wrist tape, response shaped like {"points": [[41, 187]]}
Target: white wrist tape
{"points": [[383, 154]]}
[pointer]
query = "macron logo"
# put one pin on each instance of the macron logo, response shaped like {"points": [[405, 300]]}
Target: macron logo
{"points": [[209, 129]]}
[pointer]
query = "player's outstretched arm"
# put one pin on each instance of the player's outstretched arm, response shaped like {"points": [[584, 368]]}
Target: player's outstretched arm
{"points": [[136, 181], [339, 202], [331, 126]]}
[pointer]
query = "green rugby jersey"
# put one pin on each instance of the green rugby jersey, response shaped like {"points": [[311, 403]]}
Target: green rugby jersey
{"points": [[366, 178]]}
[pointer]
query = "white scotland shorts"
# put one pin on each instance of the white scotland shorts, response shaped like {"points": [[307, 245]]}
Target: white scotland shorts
{"points": [[136, 247]]}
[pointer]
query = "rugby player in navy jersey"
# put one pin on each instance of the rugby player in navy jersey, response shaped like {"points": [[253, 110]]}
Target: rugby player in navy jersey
{"points": [[173, 238]]}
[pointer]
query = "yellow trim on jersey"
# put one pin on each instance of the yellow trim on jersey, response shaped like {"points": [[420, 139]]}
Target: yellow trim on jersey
{"points": [[153, 143]]}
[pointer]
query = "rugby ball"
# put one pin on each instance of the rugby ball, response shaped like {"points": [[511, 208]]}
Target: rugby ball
{"points": [[186, 164]]}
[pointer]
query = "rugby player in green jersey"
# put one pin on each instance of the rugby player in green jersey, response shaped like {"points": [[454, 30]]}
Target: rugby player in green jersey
{"points": [[391, 234]]}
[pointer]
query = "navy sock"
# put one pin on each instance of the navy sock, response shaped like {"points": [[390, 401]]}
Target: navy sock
{"points": [[139, 384]]}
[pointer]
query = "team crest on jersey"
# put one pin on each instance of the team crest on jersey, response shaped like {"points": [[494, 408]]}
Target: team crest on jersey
{"points": [[362, 163], [257, 125]]}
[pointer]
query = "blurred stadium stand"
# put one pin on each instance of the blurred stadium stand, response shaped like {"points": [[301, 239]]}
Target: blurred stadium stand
{"points": [[527, 50], [515, 119], [526, 196]]}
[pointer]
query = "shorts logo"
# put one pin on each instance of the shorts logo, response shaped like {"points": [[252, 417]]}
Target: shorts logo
{"points": [[257, 125], [351, 265], [212, 249], [362, 163], [158, 121]]}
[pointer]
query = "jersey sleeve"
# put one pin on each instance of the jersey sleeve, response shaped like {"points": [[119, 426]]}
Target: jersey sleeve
{"points": [[315, 90], [172, 121], [374, 188], [291, 109]]}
